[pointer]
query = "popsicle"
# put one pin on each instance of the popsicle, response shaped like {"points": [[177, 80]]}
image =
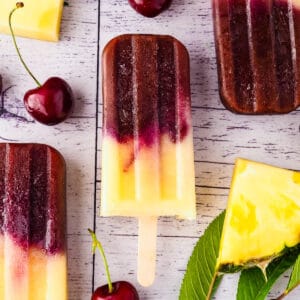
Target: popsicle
{"points": [[258, 54], [147, 147], [37, 19], [32, 223]]}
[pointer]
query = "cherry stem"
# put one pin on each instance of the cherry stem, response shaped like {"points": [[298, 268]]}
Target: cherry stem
{"points": [[20, 5], [97, 244]]}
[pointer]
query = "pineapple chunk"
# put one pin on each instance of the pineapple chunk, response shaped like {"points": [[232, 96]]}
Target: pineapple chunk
{"points": [[38, 19], [263, 215]]}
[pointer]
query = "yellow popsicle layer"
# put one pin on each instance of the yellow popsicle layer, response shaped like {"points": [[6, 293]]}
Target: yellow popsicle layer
{"points": [[296, 3], [38, 19], [151, 181], [31, 275], [263, 214]]}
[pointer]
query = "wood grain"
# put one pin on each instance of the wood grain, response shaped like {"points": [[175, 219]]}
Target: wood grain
{"points": [[219, 137]]}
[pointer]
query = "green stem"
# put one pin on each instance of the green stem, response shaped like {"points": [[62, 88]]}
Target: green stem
{"points": [[19, 5], [97, 244]]}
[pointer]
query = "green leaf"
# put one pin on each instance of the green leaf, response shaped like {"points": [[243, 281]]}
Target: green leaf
{"points": [[252, 283], [295, 277], [216, 284], [251, 280], [201, 277]]}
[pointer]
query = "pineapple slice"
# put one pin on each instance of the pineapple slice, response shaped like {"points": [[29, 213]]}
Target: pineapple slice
{"points": [[37, 19], [263, 216]]}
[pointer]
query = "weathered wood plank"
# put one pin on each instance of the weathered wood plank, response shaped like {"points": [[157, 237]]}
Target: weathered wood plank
{"points": [[74, 59], [220, 137]]}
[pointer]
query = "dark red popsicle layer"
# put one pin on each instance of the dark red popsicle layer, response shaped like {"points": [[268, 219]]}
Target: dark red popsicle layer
{"points": [[32, 196], [256, 43], [283, 54], [146, 88], [241, 58]]}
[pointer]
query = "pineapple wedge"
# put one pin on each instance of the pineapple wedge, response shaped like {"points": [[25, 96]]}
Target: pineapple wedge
{"points": [[37, 19], [263, 216]]}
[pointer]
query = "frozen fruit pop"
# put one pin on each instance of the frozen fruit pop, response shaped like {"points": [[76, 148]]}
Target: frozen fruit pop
{"points": [[258, 53], [32, 223], [37, 20], [147, 152]]}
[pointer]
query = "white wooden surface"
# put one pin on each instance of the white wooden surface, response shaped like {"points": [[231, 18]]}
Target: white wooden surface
{"points": [[220, 137]]}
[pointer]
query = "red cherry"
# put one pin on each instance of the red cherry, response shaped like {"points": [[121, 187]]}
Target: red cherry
{"points": [[122, 290], [50, 103], [150, 8]]}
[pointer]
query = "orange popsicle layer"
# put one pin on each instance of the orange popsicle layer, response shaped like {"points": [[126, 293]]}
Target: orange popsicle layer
{"points": [[31, 274], [158, 182]]}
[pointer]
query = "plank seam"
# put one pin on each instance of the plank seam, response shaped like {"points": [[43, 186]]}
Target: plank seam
{"points": [[96, 136]]}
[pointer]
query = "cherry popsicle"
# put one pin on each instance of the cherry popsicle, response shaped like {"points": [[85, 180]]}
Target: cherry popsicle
{"points": [[147, 141]]}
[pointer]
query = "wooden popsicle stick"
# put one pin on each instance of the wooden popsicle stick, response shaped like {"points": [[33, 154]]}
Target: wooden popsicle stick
{"points": [[147, 250]]}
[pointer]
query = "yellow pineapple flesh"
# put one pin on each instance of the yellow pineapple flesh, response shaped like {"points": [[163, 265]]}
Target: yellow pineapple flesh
{"points": [[263, 215]]}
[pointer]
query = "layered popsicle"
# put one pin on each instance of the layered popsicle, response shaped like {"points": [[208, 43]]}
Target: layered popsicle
{"points": [[32, 223], [258, 54], [147, 150], [37, 19]]}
